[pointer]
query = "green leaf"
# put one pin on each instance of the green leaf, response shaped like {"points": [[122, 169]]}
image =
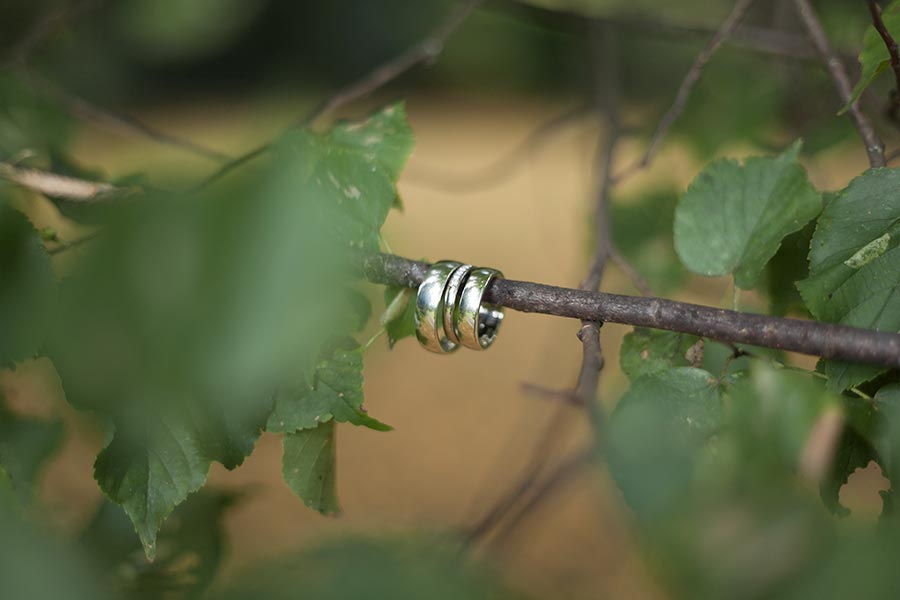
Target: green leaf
{"points": [[874, 58], [649, 351], [27, 287], [181, 344], [787, 267], [35, 564], [397, 568], [658, 434], [853, 453], [854, 265], [732, 218], [191, 548], [26, 445], [399, 315], [308, 466], [149, 472], [335, 392], [351, 172]]}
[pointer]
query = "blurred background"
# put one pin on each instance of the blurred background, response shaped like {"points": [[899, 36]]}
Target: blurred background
{"points": [[507, 130]]}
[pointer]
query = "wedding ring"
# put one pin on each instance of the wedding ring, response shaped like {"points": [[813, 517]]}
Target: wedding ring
{"points": [[477, 323], [451, 300], [429, 317]]}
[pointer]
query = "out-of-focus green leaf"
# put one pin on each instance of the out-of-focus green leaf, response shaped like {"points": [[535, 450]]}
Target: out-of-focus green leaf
{"points": [[308, 466], [874, 57], [27, 287], [658, 433], [191, 548], [854, 265], [335, 392], [650, 351], [164, 30], [773, 412], [406, 568], [642, 232], [399, 315], [36, 566], [29, 120], [26, 444], [733, 217], [188, 313]]}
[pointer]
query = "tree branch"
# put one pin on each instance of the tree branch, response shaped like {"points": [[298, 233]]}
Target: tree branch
{"points": [[427, 50], [874, 145], [59, 186], [782, 44], [838, 342], [115, 121], [690, 80], [501, 168], [891, 44]]}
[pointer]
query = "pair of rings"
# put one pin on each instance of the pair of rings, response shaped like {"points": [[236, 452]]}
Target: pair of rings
{"points": [[449, 309]]}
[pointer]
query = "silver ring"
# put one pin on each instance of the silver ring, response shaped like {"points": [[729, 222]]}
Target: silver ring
{"points": [[430, 307], [451, 300], [477, 323]]}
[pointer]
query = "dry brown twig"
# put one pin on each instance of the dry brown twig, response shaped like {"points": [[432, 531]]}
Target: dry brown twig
{"points": [[873, 143], [426, 50]]}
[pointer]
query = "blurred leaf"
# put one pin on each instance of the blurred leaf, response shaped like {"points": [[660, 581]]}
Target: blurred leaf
{"points": [[874, 58], [191, 548], [335, 392], [36, 566], [773, 414], [26, 445], [404, 568], [657, 434], [650, 351], [308, 466], [9, 502], [168, 30], [29, 120], [399, 315], [189, 313], [642, 232], [733, 217], [854, 265], [27, 287]]}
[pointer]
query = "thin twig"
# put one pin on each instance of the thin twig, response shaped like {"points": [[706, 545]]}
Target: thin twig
{"points": [[874, 145], [116, 121], [59, 186], [687, 84], [541, 491], [44, 27], [893, 52], [592, 360], [637, 280], [502, 168], [782, 44], [64, 246], [426, 50]]}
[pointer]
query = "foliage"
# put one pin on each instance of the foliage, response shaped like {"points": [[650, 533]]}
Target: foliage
{"points": [[196, 321], [874, 58], [733, 217]]}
